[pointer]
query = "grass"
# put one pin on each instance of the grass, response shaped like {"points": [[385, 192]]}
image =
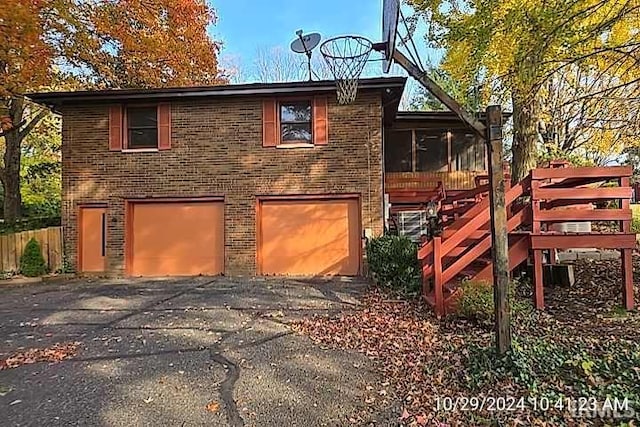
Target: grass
{"points": [[635, 209]]}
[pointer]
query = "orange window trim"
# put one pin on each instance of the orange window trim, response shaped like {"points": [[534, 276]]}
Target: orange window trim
{"points": [[272, 125], [119, 129]]}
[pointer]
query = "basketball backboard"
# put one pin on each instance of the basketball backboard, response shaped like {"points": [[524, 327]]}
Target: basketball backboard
{"points": [[390, 16]]}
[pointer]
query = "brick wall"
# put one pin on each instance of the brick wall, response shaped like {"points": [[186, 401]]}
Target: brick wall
{"points": [[217, 151]]}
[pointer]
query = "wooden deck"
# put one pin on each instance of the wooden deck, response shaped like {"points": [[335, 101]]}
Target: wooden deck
{"points": [[463, 249]]}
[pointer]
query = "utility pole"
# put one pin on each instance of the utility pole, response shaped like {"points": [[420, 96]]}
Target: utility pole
{"points": [[499, 231], [492, 134]]}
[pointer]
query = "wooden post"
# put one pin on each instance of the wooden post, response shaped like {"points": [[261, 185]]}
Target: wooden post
{"points": [[493, 135], [627, 261], [437, 276], [627, 279], [499, 232]]}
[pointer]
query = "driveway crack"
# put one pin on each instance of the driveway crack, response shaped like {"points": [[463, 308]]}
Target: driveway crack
{"points": [[227, 386]]}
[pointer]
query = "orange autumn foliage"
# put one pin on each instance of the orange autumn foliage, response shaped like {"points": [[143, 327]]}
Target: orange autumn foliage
{"points": [[106, 44], [25, 58], [151, 43]]}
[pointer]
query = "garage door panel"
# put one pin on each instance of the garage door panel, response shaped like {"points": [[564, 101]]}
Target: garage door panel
{"points": [[178, 239], [310, 237]]}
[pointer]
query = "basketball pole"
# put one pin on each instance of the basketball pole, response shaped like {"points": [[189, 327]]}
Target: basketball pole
{"points": [[492, 135]]}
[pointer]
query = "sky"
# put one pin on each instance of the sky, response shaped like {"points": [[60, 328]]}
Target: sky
{"points": [[246, 25]]}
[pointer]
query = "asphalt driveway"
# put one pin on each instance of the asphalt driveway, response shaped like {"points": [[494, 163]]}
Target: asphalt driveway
{"points": [[157, 352]]}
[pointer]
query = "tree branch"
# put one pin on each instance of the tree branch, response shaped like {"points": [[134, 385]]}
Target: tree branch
{"points": [[13, 128], [33, 123]]}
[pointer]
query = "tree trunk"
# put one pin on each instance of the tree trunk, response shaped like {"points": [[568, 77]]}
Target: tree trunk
{"points": [[12, 153], [525, 135]]}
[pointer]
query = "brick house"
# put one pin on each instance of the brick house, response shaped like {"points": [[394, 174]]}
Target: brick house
{"points": [[240, 179]]}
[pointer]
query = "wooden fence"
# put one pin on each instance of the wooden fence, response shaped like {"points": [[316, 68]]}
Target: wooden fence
{"points": [[12, 247]]}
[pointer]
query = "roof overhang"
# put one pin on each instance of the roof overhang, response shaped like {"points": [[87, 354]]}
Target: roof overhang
{"points": [[391, 88], [444, 116]]}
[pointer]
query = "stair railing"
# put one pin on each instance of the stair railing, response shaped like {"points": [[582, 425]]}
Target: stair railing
{"points": [[433, 253]]}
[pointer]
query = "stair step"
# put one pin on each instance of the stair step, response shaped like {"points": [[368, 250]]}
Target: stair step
{"points": [[476, 235], [469, 272]]}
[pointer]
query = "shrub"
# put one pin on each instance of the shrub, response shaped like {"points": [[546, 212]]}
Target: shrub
{"points": [[476, 302], [29, 224], [393, 262], [635, 225], [32, 263]]}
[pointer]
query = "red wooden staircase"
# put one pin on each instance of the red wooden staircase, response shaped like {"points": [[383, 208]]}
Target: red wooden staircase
{"points": [[463, 251]]}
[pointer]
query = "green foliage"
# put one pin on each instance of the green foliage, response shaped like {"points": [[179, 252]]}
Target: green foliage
{"points": [[553, 152], [425, 101], [546, 368], [476, 302], [393, 262], [40, 170], [29, 224], [635, 222], [632, 157], [67, 266], [32, 262]]}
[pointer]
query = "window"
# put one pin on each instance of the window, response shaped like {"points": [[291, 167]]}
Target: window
{"points": [[468, 152], [432, 154], [398, 155], [295, 122], [142, 127]]}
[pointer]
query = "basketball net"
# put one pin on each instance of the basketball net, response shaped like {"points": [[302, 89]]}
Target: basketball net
{"points": [[346, 57]]}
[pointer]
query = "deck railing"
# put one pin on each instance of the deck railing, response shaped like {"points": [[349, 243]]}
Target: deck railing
{"points": [[468, 239]]}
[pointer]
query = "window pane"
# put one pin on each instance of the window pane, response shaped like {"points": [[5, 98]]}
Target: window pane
{"points": [[143, 138], [431, 151], [468, 154], [296, 132], [138, 117], [299, 111], [397, 151]]}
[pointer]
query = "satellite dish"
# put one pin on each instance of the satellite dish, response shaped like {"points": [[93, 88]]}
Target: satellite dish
{"points": [[305, 43]]}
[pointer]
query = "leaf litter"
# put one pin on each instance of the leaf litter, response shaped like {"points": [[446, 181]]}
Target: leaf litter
{"points": [[581, 345], [54, 354]]}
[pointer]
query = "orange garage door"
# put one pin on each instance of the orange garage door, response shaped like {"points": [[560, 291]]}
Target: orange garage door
{"points": [[309, 237], [177, 239]]}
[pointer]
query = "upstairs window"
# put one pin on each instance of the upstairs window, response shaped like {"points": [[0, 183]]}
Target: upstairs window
{"points": [[142, 127], [296, 122]]}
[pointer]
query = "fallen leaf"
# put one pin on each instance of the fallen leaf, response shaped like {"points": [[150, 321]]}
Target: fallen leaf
{"points": [[56, 353], [4, 390], [213, 406]]}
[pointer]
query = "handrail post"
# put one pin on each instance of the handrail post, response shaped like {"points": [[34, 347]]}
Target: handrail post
{"points": [[437, 276]]}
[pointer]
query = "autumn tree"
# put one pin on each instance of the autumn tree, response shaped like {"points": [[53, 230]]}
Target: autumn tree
{"points": [[99, 44], [514, 47]]}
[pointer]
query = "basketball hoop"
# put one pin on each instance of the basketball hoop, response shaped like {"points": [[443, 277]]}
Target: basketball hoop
{"points": [[346, 57]]}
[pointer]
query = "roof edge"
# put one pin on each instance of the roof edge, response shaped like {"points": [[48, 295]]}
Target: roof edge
{"points": [[251, 89]]}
